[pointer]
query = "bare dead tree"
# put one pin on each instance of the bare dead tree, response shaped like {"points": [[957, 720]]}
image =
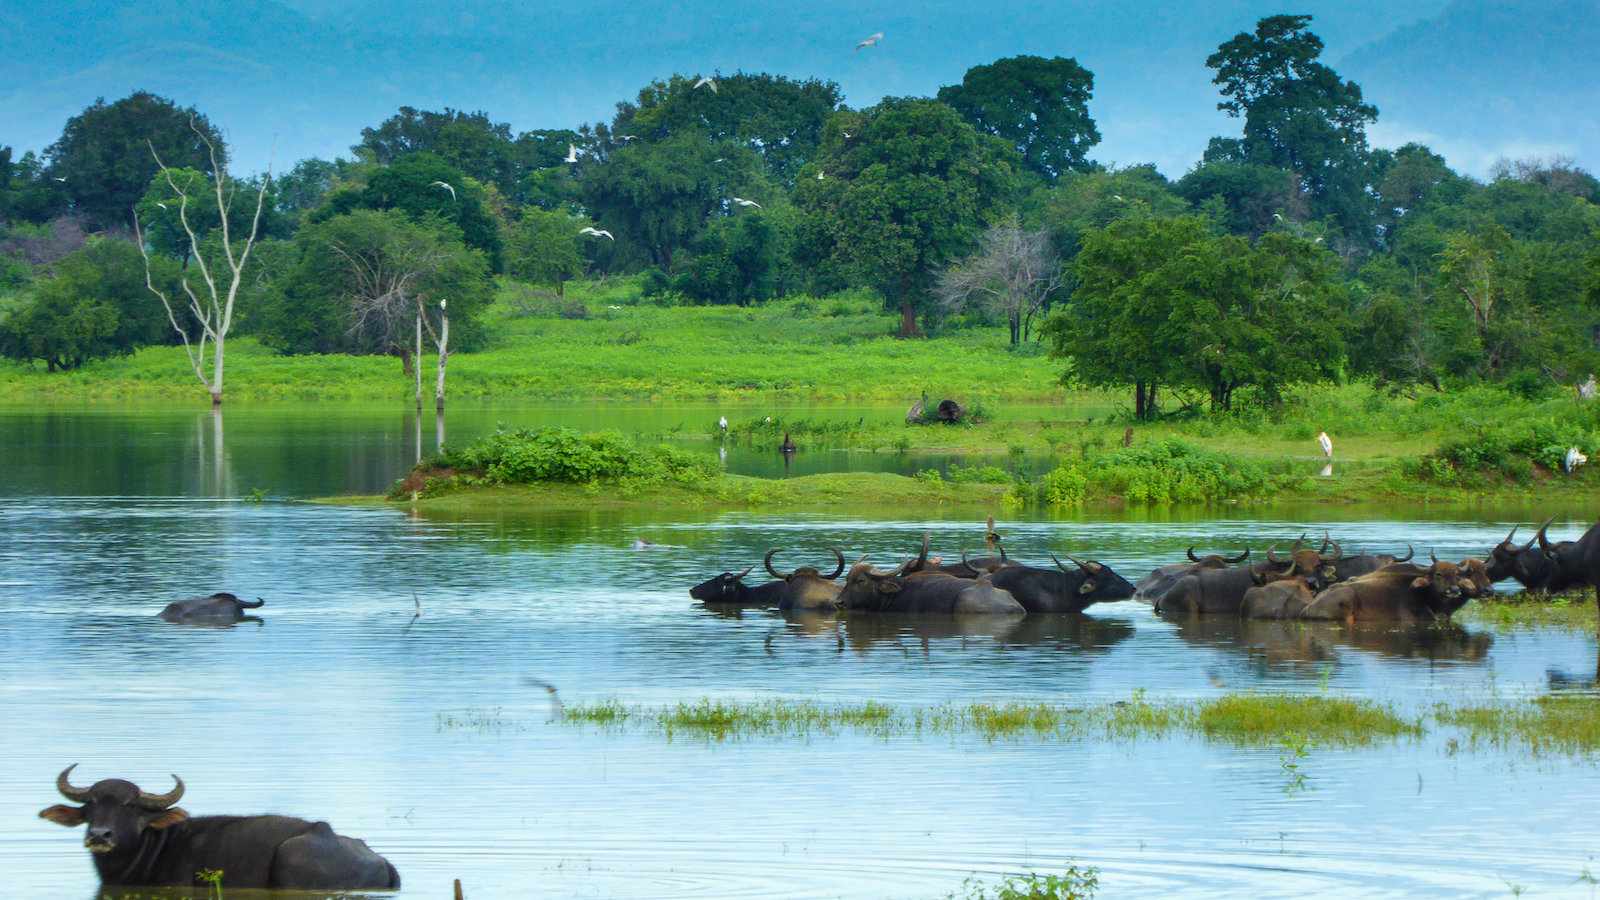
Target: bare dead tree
{"points": [[441, 339], [212, 307], [1014, 272]]}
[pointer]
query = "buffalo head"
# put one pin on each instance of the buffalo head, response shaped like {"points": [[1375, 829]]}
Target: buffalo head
{"points": [[803, 571], [1316, 567], [1217, 560], [1098, 580], [116, 811], [1446, 587], [725, 588]]}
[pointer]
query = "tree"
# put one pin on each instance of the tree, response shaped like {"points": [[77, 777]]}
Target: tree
{"points": [[542, 247], [777, 118], [210, 308], [1298, 115], [1080, 201], [412, 185], [1484, 273], [306, 186], [1040, 106], [907, 187], [158, 211], [93, 305], [656, 196], [1409, 182], [26, 194], [1252, 199], [358, 278], [1013, 272], [738, 260], [1166, 302], [106, 154]]}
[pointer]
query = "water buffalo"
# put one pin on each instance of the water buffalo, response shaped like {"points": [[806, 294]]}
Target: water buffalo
{"points": [[218, 609], [142, 840], [1061, 590], [1567, 567], [1283, 599], [1348, 567], [1475, 577], [923, 564], [1523, 562], [806, 588], [1154, 586], [1403, 592], [1221, 591], [729, 588], [868, 590]]}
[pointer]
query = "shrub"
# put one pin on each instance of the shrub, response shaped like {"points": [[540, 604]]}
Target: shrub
{"points": [[1175, 472], [1065, 485], [960, 474], [532, 456]]}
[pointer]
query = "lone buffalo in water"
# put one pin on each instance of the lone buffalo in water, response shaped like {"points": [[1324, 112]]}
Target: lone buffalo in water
{"points": [[218, 609], [868, 590], [1152, 587], [143, 840], [1401, 592]]}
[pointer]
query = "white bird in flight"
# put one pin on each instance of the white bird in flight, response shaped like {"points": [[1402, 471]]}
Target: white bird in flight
{"points": [[440, 184], [743, 202], [870, 40], [1118, 198], [63, 180], [160, 204], [592, 231], [705, 81], [572, 154], [1278, 216], [1326, 443], [819, 175]]}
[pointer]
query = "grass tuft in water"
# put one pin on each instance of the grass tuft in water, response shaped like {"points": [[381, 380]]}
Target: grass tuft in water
{"points": [[1550, 724], [1514, 612], [1073, 884], [1254, 718]]}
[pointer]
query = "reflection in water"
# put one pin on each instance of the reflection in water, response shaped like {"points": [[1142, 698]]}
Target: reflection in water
{"points": [[1276, 643], [1327, 470]]}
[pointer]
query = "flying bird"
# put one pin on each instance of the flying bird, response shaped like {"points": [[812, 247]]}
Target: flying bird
{"points": [[63, 180], [870, 40], [592, 231], [705, 81], [160, 204], [743, 202], [626, 137], [819, 175], [1326, 443], [572, 154], [1278, 216], [440, 184], [1118, 198]]}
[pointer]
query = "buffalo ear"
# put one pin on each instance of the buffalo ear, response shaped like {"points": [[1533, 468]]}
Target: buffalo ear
{"points": [[1419, 583], [168, 818], [888, 586], [70, 816]]}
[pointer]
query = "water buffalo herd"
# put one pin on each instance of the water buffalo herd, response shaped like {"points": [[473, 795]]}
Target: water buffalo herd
{"points": [[1315, 583]]}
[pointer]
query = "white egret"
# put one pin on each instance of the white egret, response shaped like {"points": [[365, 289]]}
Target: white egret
{"points": [[440, 184], [819, 175], [743, 202], [722, 423], [705, 81], [572, 154], [592, 231], [62, 180], [1573, 459], [1326, 443], [160, 204], [870, 40]]}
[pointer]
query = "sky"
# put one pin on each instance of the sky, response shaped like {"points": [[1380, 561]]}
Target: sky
{"points": [[285, 79]]}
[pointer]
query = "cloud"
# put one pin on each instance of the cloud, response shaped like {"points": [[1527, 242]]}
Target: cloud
{"points": [[1465, 154]]}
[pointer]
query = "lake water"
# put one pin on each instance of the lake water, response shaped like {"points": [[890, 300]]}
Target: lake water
{"points": [[423, 736]]}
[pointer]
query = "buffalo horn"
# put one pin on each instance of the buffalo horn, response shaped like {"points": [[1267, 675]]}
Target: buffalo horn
{"points": [[840, 569], [1075, 561], [75, 794], [770, 570], [1544, 539], [922, 559], [1002, 548], [1192, 557], [1241, 557], [157, 802], [1512, 534], [1272, 553], [1325, 542], [1410, 552], [1059, 565], [741, 575], [1433, 560], [1338, 551]]}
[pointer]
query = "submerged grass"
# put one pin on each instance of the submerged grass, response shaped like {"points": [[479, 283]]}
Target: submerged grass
{"points": [[1512, 612], [1550, 724]]}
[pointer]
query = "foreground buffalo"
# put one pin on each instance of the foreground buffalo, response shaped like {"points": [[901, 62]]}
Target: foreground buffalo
{"points": [[1061, 590], [1525, 563], [1284, 599], [143, 840], [217, 609], [1222, 591], [1402, 592], [868, 590], [806, 589], [1568, 568], [729, 589], [1158, 583]]}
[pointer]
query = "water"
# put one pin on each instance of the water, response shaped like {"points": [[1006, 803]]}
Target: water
{"points": [[424, 737]]}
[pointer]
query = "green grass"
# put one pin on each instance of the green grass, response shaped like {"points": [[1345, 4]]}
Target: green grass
{"points": [[1550, 724], [1074, 883], [1511, 612]]}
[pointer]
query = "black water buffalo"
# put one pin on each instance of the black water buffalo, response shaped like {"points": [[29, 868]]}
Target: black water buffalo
{"points": [[1283, 599], [1525, 563], [806, 588], [1568, 568], [1154, 586], [1221, 591], [1348, 567], [1061, 590], [729, 589], [868, 590], [1401, 592], [218, 609], [143, 840]]}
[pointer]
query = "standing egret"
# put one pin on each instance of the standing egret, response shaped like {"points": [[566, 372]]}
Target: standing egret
{"points": [[722, 423], [1573, 459], [1326, 443]]}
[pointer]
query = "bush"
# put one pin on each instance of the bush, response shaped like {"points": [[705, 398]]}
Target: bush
{"points": [[533, 456], [960, 474], [1509, 451], [1175, 472], [1065, 485]]}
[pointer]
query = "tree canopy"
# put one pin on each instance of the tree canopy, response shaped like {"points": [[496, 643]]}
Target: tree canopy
{"points": [[1040, 106]]}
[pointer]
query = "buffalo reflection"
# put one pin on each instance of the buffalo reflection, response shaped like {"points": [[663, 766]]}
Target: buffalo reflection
{"points": [[1291, 643], [862, 633]]}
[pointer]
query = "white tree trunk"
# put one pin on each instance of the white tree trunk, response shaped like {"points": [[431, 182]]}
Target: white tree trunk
{"points": [[444, 356], [416, 366]]}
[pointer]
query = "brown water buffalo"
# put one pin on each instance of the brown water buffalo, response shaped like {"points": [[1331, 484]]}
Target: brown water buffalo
{"points": [[1221, 591], [808, 590], [1154, 586], [868, 590], [1283, 599], [1355, 566], [220, 608], [139, 839], [1402, 592]]}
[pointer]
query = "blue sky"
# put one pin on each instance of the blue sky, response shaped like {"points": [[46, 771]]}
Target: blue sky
{"points": [[1476, 79]]}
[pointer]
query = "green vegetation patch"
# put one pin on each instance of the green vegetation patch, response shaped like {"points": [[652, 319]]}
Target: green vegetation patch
{"points": [[1163, 472], [1250, 718], [1510, 612], [1550, 724], [1073, 883]]}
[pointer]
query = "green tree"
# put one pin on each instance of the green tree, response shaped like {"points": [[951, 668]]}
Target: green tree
{"points": [[469, 141], [161, 211], [1251, 199], [1167, 302], [355, 283], [1040, 106], [657, 196], [906, 189], [1080, 201], [1298, 115], [542, 247], [26, 194], [777, 118], [306, 186], [93, 305], [412, 185], [737, 260], [104, 154]]}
